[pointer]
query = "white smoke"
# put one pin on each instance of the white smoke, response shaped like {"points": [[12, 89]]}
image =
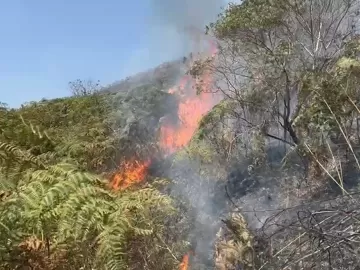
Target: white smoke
{"points": [[178, 24]]}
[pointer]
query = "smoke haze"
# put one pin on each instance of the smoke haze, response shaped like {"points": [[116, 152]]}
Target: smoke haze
{"points": [[174, 27], [181, 14]]}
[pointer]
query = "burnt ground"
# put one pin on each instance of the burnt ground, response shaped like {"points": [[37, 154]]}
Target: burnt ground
{"points": [[267, 198]]}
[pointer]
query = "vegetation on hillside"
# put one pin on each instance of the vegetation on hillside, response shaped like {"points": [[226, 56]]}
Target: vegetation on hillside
{"points": [[58, 211], [289, 72]]}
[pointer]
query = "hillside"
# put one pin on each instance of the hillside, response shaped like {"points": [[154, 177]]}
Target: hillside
{"points": [[244, 157], [164, 75]]}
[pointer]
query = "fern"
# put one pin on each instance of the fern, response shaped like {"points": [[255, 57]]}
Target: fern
{"points": [[68, 206], [54, 214]]}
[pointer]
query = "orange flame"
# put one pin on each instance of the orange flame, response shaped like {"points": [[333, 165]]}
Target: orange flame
{"points": [[185, 262], [132, 172], [192, 108]]}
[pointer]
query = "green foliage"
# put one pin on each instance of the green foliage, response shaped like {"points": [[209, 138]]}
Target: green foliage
{"points": [[134, 119], [249, 14], [66, 206], [213, 148], [197, 149], [91, 130], [71, 209], [76, 128], [299, 69], [327, 97], [216, 115], [202, 145], [56, 212]]}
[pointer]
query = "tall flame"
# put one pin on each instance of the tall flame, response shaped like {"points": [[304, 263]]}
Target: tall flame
{"points": [[192, 108]]}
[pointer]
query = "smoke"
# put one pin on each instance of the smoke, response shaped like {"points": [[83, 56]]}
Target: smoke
{"points": [[185, 13], [177, 29], [174, 29], [178, 25]]}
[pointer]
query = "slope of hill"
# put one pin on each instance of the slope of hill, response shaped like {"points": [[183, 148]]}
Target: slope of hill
{"points": [[78, 189], [163, 76]]}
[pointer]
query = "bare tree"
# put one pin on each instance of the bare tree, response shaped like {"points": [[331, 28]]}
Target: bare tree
{"points": [[84, 88]]}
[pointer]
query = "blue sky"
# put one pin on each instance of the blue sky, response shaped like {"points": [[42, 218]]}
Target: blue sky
{"points": [[45, 44]]}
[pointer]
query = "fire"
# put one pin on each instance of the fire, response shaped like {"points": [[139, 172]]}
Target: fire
{"points": [[192, 108], [173, 136], [132, 172], [185, 262], [190, 111]]}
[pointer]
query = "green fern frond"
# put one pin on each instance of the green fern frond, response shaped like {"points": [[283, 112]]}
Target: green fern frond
{"points": [[17, 155], [70, 207]]}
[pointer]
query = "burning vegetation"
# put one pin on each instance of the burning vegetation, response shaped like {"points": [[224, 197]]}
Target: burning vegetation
{"points": [[184, 263], [174, 135], [289, 74], [131, 173], [192, 108], [196, 99], [193, 105]]}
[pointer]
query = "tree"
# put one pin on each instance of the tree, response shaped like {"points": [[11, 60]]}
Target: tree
{"points": [[84, 88], [280, 63]]}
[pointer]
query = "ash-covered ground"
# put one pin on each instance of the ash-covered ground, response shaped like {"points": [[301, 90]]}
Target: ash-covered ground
{"points": [[268, 197]]}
